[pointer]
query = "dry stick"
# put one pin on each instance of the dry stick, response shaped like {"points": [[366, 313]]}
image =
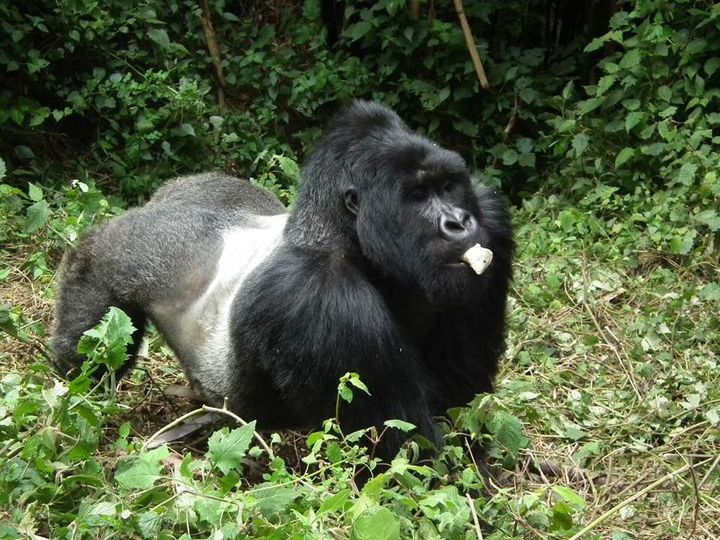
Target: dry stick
{"points": [[478, 531], [415, 9], [207, 408], [609, 343], [214, 50], [470, 42], [619, 506]]}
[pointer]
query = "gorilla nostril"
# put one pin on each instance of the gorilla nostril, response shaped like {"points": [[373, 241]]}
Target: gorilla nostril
{"points": [[456, 227]]}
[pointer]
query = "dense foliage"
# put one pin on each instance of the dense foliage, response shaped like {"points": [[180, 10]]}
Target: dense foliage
{"points": [[606, 140]]}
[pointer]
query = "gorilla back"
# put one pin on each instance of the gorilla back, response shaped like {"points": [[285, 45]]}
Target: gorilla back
{"points": [[270, 309]]}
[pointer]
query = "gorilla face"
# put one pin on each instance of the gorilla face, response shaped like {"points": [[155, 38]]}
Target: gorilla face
{"points": [[416, 215]]}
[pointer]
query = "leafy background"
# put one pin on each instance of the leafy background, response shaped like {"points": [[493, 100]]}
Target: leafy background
{"points": [[600, 125]]}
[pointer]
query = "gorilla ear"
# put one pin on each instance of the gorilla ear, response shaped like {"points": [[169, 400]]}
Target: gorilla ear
{"points": [[352, 201]]}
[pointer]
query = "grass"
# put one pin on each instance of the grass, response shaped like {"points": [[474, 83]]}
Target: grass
{"points": [[612, 368]]}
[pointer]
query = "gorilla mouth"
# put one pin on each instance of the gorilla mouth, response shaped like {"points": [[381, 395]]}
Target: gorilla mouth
{"points": [[478, 258]]}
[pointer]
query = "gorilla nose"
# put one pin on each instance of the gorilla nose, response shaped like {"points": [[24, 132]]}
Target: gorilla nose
{"points": [[457, 225]]}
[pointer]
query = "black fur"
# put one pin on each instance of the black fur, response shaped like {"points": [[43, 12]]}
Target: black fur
{"points": [[363, 280]]}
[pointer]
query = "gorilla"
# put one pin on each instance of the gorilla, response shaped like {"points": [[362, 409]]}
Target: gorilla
{"points": [[269, 309]]}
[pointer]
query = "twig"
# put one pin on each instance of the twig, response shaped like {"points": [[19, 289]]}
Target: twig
{"points": [[478, 531], [622, 504], [414, 9], [604, 333], [214, 49], [470, 42], [710, 470], [207, 408], [513, 118]]}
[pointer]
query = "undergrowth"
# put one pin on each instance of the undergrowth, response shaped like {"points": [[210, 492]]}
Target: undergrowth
{"points": [[606, 415]]}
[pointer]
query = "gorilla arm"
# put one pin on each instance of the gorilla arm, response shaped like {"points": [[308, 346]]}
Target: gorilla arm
{"points": [[308, 321]]}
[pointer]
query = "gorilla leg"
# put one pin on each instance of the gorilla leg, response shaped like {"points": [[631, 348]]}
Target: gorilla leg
{"points": [[84, 299]]}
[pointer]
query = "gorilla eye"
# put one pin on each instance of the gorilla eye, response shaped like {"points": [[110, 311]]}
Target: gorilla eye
{"points": [[419, 194], [448, 186]]}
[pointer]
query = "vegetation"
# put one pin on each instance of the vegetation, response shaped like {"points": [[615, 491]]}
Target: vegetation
{"points": [[605, 420]]}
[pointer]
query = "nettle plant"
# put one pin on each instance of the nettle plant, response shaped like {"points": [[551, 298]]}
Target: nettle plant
{"points": [[648, 127]]}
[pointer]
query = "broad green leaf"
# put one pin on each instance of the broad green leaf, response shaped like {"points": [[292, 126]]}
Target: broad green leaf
{"points": [[687, 173], [665, 93], [580, 143], [508, 432], [711, 292], [631, 59], [34, 192], [681, 245], [401, 425], [141, 475], [711, 65], [709, 218], [187, 129], [380, 524], [604, 84], [160, 37], [633, 119], [358, 30], [272, 500], [226, 449], [510, 157], [587, 106], [336, 502], [289, 167], [36, 216], [624, 155]]}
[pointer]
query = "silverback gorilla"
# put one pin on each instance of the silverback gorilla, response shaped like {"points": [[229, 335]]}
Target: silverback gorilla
{"points": [[270, 309]]}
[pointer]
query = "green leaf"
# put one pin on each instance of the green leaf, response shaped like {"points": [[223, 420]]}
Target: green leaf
{"points": [[227, 449], [710, 292], [335, 503], [633, 119], [665, 93], [631, 59], [288, 167], [107, 342], [623, 156], [358, 30], [508, 432], [696, 46], [380, 524], [401, 425], [34, 192], [144, 470], [36, 216], [272, 500], [687, 173], [587, 106], [187, 129], [580, 143], [681, 245], [711, 65], [709, 218], [509, 157], [160, 37]]}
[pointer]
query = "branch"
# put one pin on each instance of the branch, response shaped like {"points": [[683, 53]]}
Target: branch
{"points": [[214, 49], [470, 42]]}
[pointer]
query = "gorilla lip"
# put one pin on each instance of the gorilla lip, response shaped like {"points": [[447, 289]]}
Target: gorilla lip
{"points": [[478, 257]]}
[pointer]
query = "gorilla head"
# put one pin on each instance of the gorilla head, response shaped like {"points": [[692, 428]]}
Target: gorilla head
{"points": [[400, 202], [269, 310]]}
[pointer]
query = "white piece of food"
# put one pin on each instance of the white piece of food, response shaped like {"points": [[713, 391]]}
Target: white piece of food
{"points": [[478, 257]]}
